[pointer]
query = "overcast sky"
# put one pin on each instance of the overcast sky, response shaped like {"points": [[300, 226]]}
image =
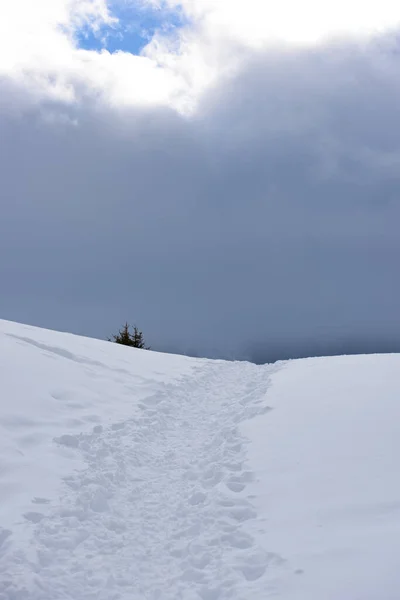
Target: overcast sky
{"points": [[224, 173]]}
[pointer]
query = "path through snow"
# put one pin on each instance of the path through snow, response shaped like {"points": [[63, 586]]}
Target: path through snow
{"points": [[160, 511]]}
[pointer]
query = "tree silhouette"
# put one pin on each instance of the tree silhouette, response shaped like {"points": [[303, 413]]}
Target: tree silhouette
{"points": [[126, 338]]}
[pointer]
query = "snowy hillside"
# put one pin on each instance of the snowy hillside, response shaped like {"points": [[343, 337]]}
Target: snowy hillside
{"points": [[132, 475]]}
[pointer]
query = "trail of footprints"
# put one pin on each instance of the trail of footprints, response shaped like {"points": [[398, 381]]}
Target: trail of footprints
{"points": [[229, 543], [161, 510]]}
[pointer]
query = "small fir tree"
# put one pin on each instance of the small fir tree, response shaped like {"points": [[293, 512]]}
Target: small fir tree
{"points": [[126, 338]]}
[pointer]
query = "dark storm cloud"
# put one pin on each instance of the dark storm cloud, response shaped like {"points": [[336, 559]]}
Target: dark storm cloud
{"points": [[266, 226]]}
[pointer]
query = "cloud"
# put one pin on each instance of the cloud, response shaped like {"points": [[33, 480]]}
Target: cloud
{"points": [[263, 223], [258, 22], [39, 51], [39, 44]]}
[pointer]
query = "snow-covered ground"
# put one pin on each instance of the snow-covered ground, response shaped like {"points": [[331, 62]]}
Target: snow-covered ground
{"points": [[132, 475]]}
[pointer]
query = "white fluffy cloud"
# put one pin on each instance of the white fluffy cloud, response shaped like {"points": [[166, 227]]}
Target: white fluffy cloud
{"points": [[258, 22], [223, 32], [38, 49], [34, 34]]}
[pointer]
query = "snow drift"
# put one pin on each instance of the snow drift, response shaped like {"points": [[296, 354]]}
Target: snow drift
{"points": [[132, 475]]}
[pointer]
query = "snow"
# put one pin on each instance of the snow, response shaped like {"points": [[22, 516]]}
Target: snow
{"points": [[330, 447], [132, 475]]}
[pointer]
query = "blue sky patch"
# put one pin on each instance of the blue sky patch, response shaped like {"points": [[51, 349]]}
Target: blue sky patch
{"points": [[135, 28]]}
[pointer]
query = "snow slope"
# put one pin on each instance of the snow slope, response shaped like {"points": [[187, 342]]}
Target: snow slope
{"points": [[132, 475]]}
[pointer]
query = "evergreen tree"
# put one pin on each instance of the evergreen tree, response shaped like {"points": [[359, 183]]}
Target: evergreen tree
{"points": [[137, 338], [126, 338]]}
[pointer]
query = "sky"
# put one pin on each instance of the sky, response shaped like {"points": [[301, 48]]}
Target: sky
{"points": [[223, 173]]}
